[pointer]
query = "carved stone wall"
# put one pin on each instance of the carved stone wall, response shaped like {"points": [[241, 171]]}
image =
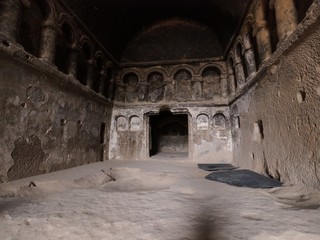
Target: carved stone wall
{"points": [[275, 126], [208, 138], [200, 82], [46, 126]]}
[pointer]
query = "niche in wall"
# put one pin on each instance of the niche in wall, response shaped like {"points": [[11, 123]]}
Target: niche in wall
{"points": [[168, 133]]}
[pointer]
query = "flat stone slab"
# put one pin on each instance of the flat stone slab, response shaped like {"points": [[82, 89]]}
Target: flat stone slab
{"points": [[243, 178], [215, 166]]}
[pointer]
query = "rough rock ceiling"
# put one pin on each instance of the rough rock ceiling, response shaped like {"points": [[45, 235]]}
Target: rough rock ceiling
{"points": [[115, 22]]}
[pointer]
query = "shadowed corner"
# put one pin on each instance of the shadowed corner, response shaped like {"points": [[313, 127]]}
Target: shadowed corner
{"points": [[206, 227]]}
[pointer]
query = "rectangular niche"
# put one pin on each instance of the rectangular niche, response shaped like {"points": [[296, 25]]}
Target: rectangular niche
{"points": [[168, 133]]}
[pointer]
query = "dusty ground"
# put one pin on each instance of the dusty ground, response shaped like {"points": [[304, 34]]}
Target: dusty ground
{"points": [[154, 199]]}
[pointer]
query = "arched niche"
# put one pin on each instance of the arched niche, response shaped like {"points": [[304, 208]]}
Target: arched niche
{"points": [[130, 78], [250, 41], [135, 123], [211, 82], [182, 75], [131, 82], [84, 74], [65, 40], [121, 123], [202, 122], [219, 121], [241, 68], [32, 17], [156, 87]]}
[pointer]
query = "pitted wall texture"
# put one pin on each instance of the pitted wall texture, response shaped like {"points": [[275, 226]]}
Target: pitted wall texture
{"points": [[276, 127], [45, 125]]}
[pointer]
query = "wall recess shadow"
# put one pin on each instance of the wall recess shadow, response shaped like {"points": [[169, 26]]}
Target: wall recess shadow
{"points": [[168, 133]]}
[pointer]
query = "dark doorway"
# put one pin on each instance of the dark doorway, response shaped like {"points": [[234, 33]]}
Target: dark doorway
{"points": [[168, 133]]}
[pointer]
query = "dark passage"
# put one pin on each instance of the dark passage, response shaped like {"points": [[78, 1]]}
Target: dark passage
{"points": [[168, 133]]}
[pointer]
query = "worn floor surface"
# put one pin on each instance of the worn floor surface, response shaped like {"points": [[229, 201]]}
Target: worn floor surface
{"points": [[154, 199]]}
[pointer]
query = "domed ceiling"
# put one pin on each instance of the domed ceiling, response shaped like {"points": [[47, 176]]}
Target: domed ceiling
{"points": [[118, 23]]}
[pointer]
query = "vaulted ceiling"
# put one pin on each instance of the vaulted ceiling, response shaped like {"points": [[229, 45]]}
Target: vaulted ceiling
{"points": [[116, 22]]}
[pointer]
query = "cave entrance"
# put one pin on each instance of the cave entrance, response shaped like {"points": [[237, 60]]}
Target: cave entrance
{"points": [[168, 133]]}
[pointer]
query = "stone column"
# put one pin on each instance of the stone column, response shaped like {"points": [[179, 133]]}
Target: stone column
{"points": [[111, 90], [249, 56], [168, 91], [239, 71], [143, 92], [286, 16], [90, 74], [262, 32], [197, 90], [231, 83], [224, 86], [9, 18], [102, 81], [73, 61], [48, 43]]}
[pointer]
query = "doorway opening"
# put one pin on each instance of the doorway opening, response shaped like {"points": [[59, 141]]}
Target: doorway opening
{"points": [[168, 133]]}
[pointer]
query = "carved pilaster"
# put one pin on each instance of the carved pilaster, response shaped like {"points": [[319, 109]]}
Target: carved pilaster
{"points": [[48, 42], [9, 18], [286, 17]]}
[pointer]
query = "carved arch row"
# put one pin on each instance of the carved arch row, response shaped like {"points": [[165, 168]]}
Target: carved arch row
{"points": [[57, 39], [131, 123], [181, 84], [169, 74], [204, 121], [267, 24]]}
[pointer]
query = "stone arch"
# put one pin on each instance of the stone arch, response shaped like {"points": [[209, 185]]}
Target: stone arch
{"points": [[219, 121], [32, 18], [87, 47], [85, 70], [130, 78], [250, 44], [65, 45], [100, 72], [131, 83], [156, 86], [68, 29], [132, 70], [202, 121], [220, 67], [135, 123], [164, 73], [183, 74], [121, 123], [51, 10]]}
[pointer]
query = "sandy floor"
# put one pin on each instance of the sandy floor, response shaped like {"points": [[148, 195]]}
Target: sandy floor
{"points": [[154, 199]]}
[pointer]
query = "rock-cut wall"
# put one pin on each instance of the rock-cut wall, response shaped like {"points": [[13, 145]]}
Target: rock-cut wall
{"points": [[46, 122], [276, 127]]}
